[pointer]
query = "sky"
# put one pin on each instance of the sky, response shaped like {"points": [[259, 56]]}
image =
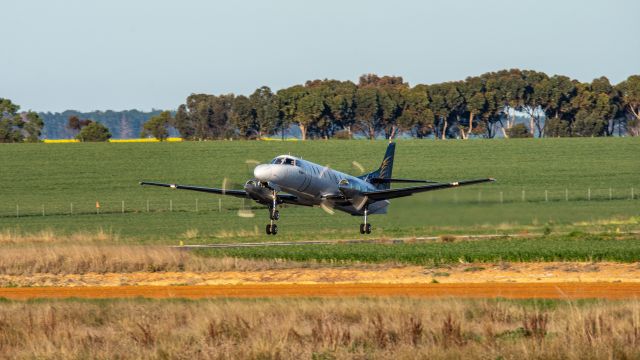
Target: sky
{"points": [[144, 54]]}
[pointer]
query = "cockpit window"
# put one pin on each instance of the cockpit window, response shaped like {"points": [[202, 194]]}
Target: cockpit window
{"points": [[284, 161]]}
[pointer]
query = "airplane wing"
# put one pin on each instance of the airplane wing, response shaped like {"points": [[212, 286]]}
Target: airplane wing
{"points": [[287, 198], [236, 193], [408, 191]]}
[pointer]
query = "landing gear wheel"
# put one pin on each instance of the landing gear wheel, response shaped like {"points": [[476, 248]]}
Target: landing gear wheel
{"points": [[361, 228], [275, 215], [274, 229], [367, 228], [268, 229]]}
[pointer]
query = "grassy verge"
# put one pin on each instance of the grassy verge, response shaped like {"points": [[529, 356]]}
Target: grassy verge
{"points": [[573, 247], [320, 329]]}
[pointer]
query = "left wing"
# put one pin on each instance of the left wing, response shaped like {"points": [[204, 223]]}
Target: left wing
{"points": [[408, 191], [286, 198], [236, 193]]}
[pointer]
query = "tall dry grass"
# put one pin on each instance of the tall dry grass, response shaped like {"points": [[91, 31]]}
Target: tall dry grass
{"points": [[319, 329], [48, 236], [82, 259]]}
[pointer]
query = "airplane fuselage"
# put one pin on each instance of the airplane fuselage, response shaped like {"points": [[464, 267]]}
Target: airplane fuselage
{"points": [[312, 183]]}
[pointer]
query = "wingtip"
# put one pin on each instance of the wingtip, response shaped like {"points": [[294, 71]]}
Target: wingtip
{"points": [[492, 179]]}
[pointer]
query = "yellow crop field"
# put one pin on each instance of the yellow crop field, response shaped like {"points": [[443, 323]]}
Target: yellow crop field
{"points": [[144, 140]]}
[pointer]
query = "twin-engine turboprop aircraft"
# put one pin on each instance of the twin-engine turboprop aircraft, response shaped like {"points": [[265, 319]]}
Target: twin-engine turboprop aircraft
{"points": [[291, 180]]}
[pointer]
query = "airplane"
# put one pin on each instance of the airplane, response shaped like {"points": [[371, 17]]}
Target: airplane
{"points": [[291, 180]]}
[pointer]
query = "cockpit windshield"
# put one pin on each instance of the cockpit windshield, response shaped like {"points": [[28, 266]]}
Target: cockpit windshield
{"points": [[284, 161]]}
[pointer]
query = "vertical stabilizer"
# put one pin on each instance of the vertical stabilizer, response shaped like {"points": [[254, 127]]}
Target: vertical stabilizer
{"points": [[386, 168]]}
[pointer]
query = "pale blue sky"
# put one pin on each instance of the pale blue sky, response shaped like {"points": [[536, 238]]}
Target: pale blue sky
{"points": [[122, 54]]}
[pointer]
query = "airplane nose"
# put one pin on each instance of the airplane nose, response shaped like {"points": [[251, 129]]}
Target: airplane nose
{"points": [[262, 172]]}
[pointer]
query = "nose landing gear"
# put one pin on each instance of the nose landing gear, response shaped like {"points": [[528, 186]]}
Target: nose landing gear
{"points": [[274, 214]]}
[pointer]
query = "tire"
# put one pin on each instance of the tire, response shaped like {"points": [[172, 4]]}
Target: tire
{"points": [[274, 229], [368, 229], [361, 228], [276, 215], [268, 229]]}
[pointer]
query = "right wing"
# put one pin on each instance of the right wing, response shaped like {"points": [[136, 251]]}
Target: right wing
{"points": [[408, 191], [236, 193]]}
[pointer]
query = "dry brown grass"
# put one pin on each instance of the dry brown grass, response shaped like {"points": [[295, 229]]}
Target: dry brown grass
{"points": [[82, 259], [320, 329], [48, 236]]}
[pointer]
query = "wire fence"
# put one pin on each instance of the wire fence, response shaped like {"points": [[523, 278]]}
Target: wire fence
{"points": [[456, 196]]}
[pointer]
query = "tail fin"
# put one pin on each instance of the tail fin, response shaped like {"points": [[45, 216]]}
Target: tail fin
{"points": [[386, 168]]}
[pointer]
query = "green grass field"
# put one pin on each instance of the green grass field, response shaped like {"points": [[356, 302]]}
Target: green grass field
{"points": [[57, 177], [574, 247]]}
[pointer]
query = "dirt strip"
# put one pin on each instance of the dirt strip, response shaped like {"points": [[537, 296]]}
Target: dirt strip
{"points": [[486, 290]]}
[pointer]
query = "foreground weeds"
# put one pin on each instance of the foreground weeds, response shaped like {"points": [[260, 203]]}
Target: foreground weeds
{"points": [[313, 329], [82, 259]]}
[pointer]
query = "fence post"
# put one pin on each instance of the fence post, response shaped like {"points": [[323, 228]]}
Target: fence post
{"points": [[123, 206], [546, 195], [632, 197], [71, 205], [610, 194], [566, 194], [42, 209], [523, 195], [219, 205], [147, 205], [589, 194], [196, 205], [17, 210], [170, 205]]}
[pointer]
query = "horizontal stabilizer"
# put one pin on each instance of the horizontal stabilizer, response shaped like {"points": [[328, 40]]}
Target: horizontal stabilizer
{"points": [[389, 180]]}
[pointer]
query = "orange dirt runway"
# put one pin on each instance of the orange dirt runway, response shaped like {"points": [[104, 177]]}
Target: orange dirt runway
{"points": [[484, 290]]}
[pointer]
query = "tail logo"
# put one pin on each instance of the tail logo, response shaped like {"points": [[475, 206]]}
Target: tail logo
{"points": [[383, 167]]}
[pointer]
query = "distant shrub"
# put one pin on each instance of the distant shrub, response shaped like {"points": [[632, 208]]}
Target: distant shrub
{"points": [[94, 132], [343, 135], [519, 131]]}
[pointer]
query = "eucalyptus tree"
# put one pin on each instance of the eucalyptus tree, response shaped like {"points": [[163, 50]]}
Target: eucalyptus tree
{"points": [[265, 110], [417, 118], [473, 92], [630, 93]]}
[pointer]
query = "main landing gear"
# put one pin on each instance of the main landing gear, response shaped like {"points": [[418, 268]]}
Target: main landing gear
{"points": [[366, 227], [274, 214]]}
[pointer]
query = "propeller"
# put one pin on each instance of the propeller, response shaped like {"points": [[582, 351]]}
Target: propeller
{"points": [[327, 208], [358, 166], [246, 213], [359, 202]]}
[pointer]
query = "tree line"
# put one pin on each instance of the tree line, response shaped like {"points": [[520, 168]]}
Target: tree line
{"points": [[488, 105], [480, 106]]}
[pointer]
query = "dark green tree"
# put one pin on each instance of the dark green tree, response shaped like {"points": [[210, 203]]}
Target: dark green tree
{"points": [[158, 126], [94, 132], [18, 127]]}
